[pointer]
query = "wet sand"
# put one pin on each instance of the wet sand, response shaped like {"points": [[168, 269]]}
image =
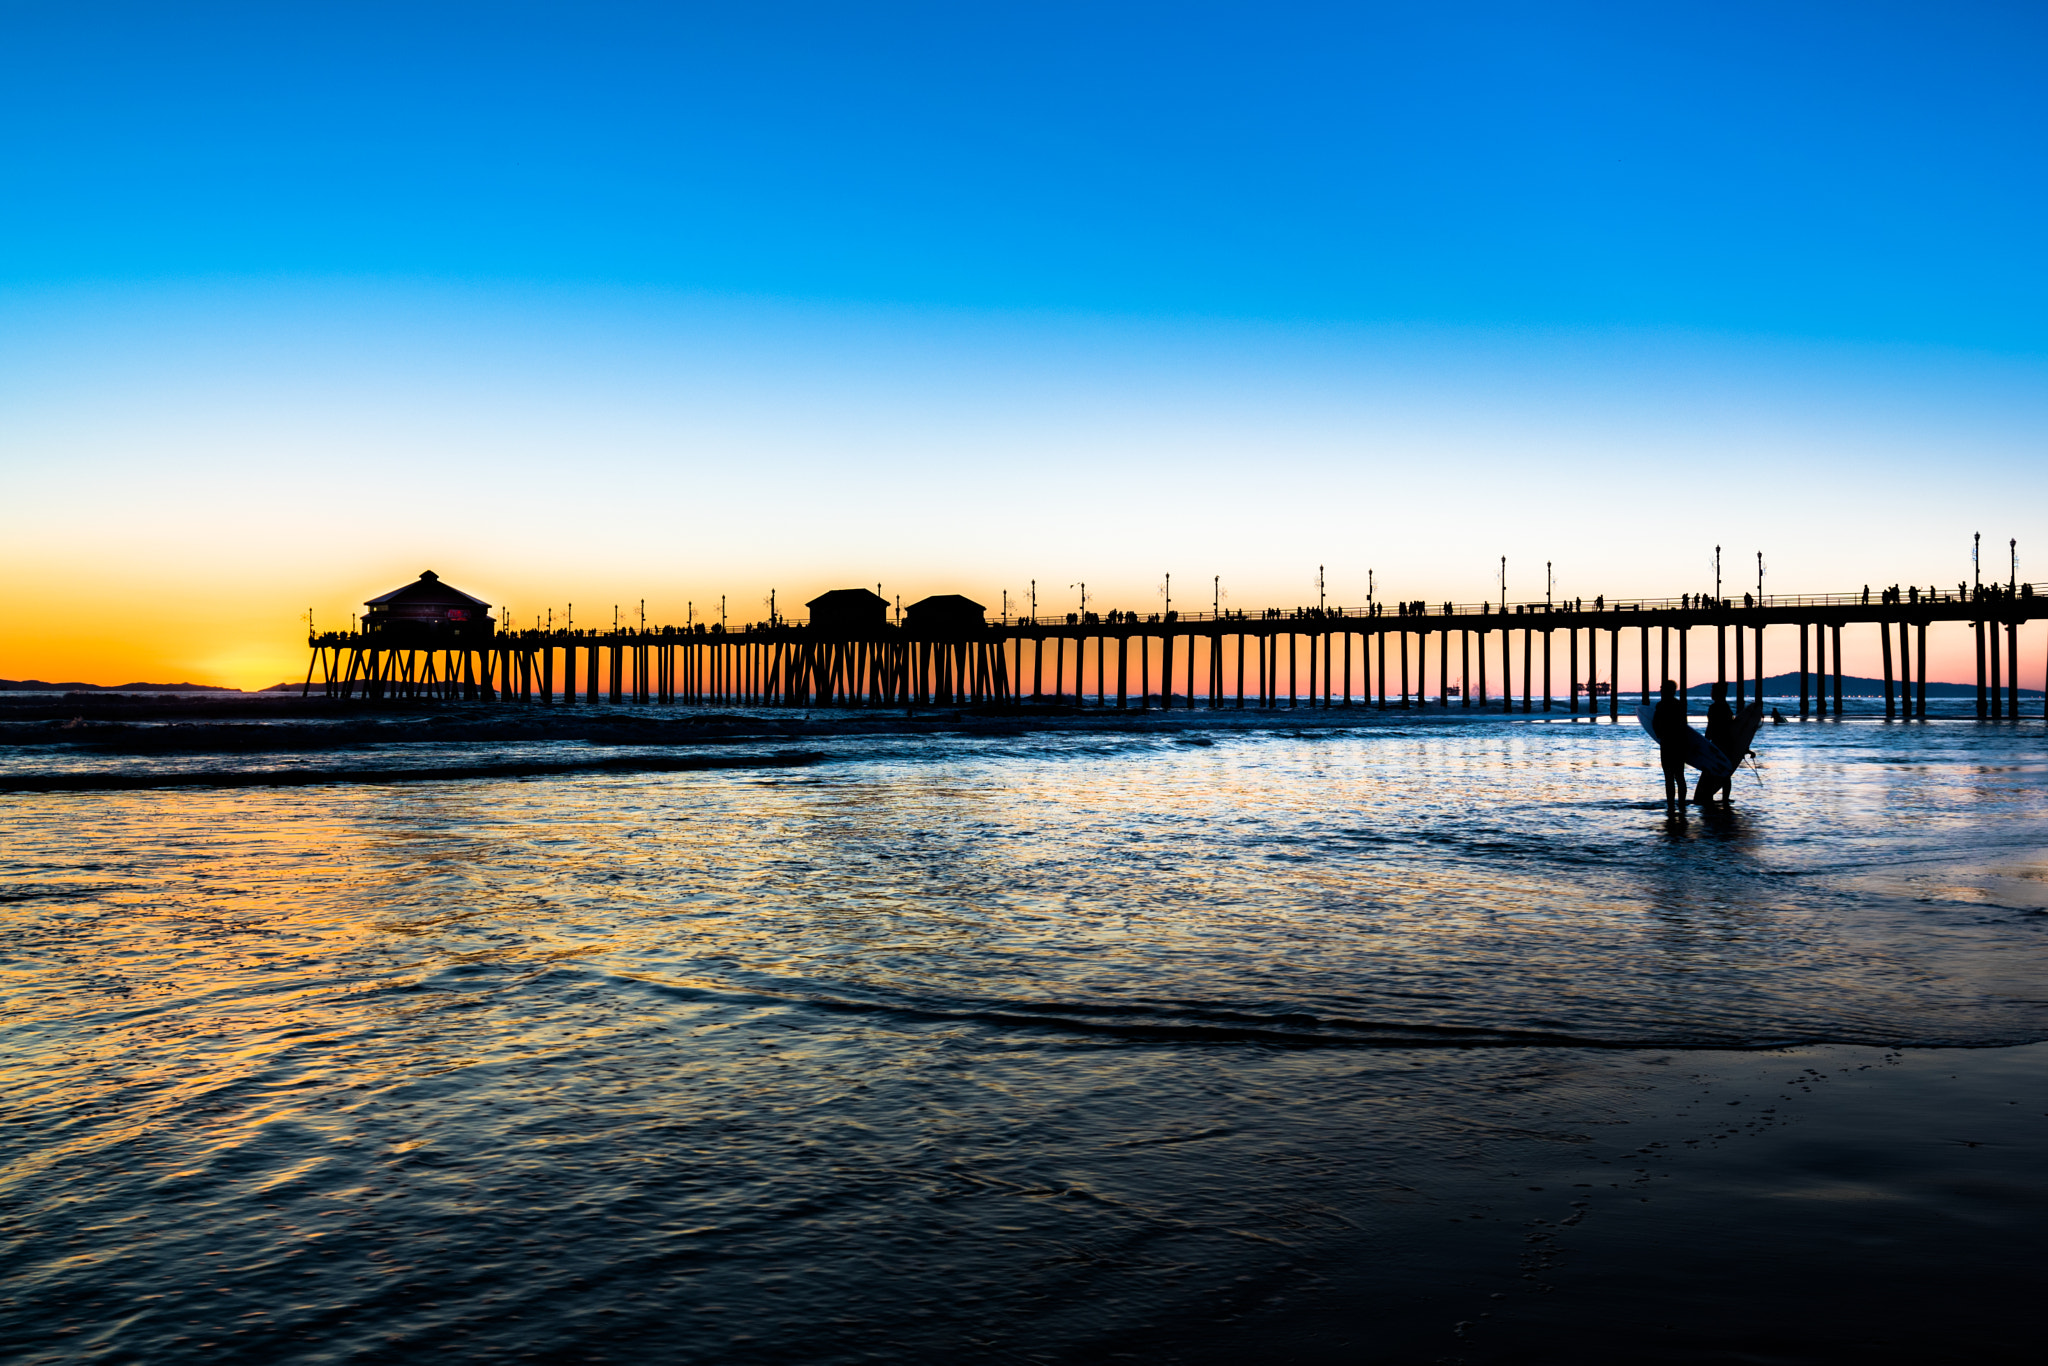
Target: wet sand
{"points": [[1804, 1205]]}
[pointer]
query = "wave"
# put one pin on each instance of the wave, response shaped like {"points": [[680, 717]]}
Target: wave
{"points": [[1224, 1025], [309, 777]]}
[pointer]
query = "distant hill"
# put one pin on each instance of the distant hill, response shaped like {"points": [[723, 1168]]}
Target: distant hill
{"points": [[37, 685], [1787, 685]]}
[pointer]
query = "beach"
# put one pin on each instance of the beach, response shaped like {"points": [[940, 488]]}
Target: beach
{"points": [[1319, 1038]]}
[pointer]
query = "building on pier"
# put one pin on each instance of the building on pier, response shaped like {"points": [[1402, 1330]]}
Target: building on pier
{"points": [[427, 613], [945, 615], [849, 613]]}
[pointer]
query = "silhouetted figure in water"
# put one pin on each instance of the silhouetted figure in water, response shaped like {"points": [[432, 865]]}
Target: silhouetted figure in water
{"points": [[1721, 735], [1667, 722]]}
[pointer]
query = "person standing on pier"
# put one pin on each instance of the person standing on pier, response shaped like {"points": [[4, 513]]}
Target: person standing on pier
{"points": [[1721, 735], [1668, 724]]}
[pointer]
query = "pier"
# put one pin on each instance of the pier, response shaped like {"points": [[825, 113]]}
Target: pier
{"points": [[1524, 656]]}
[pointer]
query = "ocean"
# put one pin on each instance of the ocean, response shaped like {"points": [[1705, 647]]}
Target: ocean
{"points": [[1304, 1037]]}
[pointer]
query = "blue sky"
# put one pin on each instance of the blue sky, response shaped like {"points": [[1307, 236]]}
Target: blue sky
{"points": [[1837, 171], [977, 294]]}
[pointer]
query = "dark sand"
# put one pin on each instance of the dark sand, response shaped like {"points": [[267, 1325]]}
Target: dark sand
{"points": [[1806, 1205]]}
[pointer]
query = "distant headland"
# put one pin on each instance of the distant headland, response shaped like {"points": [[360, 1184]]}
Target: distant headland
{"points": [[37, 685]]}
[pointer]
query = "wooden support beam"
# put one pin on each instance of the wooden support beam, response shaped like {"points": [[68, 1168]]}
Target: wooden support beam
{"points": [[1507, 666], [1884, 636], [1741, 693], [1529, 668], [1838, 668], [1905, 669], [1997, 685], [1920, 703], [1378, 642], [1757, 662], [2012, 671], [1983, 703], [1571, 681], [1803, 661]]}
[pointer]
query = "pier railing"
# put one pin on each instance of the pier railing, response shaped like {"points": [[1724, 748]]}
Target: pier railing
{"points": [[2026, 600], [1908, 596]]}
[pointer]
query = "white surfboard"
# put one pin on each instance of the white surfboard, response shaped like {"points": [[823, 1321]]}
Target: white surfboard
{"points": [[1698, 753]]}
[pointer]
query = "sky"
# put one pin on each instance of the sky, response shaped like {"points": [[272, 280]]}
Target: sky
{"points": [[599, 304]]}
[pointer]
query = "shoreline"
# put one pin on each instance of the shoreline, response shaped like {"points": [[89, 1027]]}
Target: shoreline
{"points": [[127, 725]]}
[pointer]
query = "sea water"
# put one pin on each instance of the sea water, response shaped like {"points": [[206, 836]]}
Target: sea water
{"points": [[975, 1047]]}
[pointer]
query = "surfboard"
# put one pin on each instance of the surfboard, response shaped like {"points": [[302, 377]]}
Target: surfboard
{"points": [[1746, 724], [1698, 753]]}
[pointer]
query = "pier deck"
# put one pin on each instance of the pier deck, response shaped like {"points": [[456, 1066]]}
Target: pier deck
{"points": [[1215, 660]]}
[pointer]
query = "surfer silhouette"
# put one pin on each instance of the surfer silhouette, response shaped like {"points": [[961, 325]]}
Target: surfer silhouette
{"points": [[1721, 735], [1668, 724]]}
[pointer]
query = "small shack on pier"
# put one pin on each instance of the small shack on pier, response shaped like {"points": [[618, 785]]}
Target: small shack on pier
{"points": [[945, 615], [428, 614], [849, 613]]}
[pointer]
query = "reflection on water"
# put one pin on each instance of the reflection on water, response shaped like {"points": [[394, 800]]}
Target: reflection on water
{"points": [[969, 1046]]}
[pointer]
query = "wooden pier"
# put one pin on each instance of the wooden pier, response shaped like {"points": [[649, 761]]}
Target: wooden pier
{"points": [[1404, 655]]}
